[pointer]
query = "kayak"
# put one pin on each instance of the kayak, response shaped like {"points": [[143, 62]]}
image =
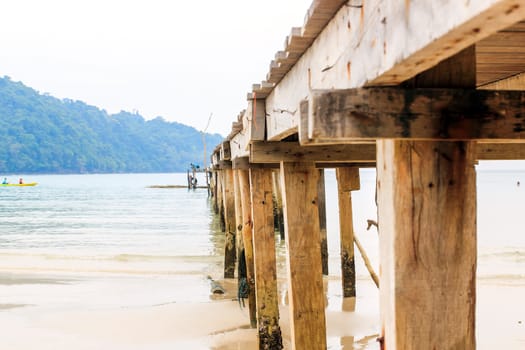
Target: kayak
{"points": [[27, 184]]}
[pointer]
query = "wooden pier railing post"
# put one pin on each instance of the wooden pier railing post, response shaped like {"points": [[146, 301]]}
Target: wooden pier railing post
{"points": [[321, 205], [247, 235], [301, 215], [347, 181], [229, 215], [265, 261]]}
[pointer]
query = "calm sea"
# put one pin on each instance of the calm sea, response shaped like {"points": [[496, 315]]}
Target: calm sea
{"points": [[109, 241], [116, 224]]}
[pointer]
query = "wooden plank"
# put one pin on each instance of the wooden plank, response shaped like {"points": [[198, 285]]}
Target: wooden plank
{"points": [[321, 205], [225, 151], [239, 244], [347, 181], [264, 260], [229, 218], [220, 195], [266, 152], [384, 43], [244, 163], [274, 152], [247, 235], [427, 223], [515, 82], [239, 146], [301, 216], [423, 114], [278, 203], [257, 120], [500, 151]]}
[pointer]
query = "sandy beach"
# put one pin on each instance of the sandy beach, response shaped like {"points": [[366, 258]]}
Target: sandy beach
{"points": [[113, 312], [87, 312]]}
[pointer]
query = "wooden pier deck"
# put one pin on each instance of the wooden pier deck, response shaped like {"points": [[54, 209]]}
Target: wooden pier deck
{"points": [[420, 90]]}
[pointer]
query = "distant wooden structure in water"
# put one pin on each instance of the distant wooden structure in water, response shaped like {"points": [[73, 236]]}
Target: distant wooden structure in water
{"points": [[417, 89], [191, 175]]}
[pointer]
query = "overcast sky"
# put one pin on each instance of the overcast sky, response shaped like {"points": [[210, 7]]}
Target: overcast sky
{"points": [[181, 60]]}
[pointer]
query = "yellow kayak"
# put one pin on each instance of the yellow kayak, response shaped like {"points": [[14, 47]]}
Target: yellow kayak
{"points": [[27, 184]]}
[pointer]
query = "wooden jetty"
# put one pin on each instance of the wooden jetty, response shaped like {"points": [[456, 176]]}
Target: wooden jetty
{"points": [[420, 90]]}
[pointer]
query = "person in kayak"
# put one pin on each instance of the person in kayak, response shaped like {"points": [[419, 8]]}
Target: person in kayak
{"points": [[20, 181], [4, 182]]}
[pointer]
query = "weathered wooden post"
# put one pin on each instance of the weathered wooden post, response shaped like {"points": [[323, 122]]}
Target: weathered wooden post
{"points": [[212, 189], [278, 202], [220, 199], [229, 215], [301, 215], [427, 230], [347, 181], [247, 234], [238, 213], [321, 204], [265, 261]]}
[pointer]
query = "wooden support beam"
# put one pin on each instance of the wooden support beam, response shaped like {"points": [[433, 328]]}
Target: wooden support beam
{"points": [[418, 114], [427, 233], [220, 199], [500, 151], [244, 163], [301, 216], [229, 215], [347, 181], [239, 244], [274, 152], [214, 191], [427, 223], [321, 204], [247, 229], [278, 197], [265, 260], [225, 151]]}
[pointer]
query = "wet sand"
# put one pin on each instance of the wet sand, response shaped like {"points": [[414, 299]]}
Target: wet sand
{"points": [[120, 312]]}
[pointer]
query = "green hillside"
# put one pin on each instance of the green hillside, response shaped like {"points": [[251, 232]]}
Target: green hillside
{"points": [[43, 134]]}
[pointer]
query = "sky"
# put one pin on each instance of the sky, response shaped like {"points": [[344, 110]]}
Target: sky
{"points": [[181, 60]]}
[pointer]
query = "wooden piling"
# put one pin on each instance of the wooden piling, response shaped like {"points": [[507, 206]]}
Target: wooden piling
{"points": [[427, 231], [347, 181], [214, 194], [276, 183], [321, 204], [220, 199], [301, 215], [230, 222], [247, 229], [238, 213], [427, 223], [264, 260]]}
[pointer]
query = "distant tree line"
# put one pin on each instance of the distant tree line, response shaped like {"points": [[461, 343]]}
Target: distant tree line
{"points": [[42, 134]]}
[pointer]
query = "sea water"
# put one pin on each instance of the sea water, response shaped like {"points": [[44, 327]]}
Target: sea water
{"points": [[101, 235]]}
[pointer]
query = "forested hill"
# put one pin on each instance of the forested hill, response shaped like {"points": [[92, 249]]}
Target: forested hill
{"points": [[42, 134]]}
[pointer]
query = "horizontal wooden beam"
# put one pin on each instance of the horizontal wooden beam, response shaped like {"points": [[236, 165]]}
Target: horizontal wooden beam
{"points": [[274, 152], [244, 163], [500, 151], [343, 116]]}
